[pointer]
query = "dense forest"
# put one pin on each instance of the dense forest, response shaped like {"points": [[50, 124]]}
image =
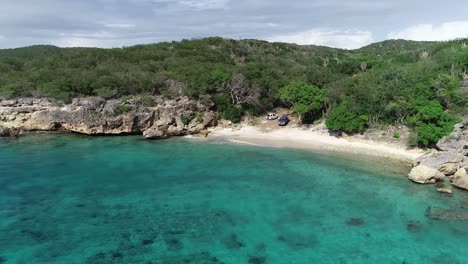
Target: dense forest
{"points": [[397, 82]]}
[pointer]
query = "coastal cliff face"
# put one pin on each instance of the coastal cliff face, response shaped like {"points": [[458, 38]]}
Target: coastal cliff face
{"points": [[96, 116]]}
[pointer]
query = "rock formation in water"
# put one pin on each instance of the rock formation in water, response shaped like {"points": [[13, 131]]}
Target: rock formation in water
{"points": [[154, 117], [449, 163]]}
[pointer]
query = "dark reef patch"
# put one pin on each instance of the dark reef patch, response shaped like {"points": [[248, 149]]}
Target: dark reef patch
{"points": [[355, 222], [413, 226], [257, 260], [3, 259], [147, 242], [232, 242], [197, 258], [173, 244], [297, 241]]}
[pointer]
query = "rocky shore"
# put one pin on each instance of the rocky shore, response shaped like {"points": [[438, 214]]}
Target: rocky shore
{"points": [[448, 164], [159, 117], [153, 117]]}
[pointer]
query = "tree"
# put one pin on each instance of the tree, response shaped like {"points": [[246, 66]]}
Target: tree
{"points": [[303, 98], [345, 119], [241, 92]]}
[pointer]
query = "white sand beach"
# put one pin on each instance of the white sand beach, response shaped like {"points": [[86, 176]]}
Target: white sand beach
{"points": [[302, 138]]}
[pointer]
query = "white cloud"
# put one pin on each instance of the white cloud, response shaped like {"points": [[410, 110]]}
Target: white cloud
{"points": [[205, 4], [119, 25], [349, 39], [444, 31]]}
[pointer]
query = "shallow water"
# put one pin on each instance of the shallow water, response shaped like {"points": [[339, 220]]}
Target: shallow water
{"points": [[76, 199]]}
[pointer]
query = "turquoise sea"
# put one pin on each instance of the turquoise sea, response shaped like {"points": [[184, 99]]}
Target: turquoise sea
{"points": [[77, 199]]}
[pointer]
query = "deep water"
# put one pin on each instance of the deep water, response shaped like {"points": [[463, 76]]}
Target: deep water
{"points": [[76, 199]]}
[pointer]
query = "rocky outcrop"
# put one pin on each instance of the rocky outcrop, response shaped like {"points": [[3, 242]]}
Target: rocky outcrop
{"points": [[460, 179], [425, 175], [95, 116], [7, 132], [456, 141], [451, 159], [153, 133]]}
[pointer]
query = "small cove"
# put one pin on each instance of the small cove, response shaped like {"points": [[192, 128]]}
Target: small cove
{"points": [[78, 199]]}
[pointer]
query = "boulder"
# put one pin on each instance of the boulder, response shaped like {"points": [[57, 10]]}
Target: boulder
{"points": [[91, 103], [8, 132], [444, 190], [8, 103], [203, 133], [153, 133], [209, 119], [449, 168], [447, 162], [464, 164], [452, 144], [424, 175], [175, 131], [460, 179]]}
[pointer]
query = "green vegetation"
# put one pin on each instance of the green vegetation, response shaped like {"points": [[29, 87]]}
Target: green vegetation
{"points": [[394, 82], [345, 118], [185, 120], [305, 99], [121, 109], [396, 134]]}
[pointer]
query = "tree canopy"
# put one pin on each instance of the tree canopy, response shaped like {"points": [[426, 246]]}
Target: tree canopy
{"points": [[392, 82]]}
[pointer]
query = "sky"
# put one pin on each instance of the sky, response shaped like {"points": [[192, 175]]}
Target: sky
{"points": [[115, 23]]}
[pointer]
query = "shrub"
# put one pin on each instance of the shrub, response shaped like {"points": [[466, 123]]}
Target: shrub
{"points": [[185, 120], [147, 100], [396, 134], [413, 139], [199, 118], [344, 119], [122, 109], [233, 114]]}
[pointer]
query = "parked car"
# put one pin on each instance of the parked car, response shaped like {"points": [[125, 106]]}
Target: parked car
{"points": [[283, 121], [271, 116]]}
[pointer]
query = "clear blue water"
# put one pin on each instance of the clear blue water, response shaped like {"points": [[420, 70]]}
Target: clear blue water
{"points": [[75, 199]]}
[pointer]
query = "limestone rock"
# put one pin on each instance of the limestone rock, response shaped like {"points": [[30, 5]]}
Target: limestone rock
{"points": [[424, 175], [203, 133], [444, 190], [153, 133], [8, 132], [96, 116], [447, 162], [209, 119], [8, 102], [449, 168], [460, 179], [464, 164]]}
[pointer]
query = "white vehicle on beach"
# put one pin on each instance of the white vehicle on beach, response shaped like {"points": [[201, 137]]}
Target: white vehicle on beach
{"points": [[271, 116]]}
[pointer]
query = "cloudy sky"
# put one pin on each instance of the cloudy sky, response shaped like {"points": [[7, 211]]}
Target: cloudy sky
{"points": [[337, 23]]}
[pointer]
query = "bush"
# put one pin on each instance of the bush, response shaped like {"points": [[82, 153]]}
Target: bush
{"points": [[147, 100], [185, 120], [413, 139], [233, 114], [343, 119], [122, 109], [199, 118], [396, 134]]}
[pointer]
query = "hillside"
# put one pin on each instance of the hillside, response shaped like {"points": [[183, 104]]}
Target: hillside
{"points": [[393, 82]]}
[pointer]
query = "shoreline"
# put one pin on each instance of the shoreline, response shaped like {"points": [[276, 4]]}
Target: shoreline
{"points": [[304, 139]]}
